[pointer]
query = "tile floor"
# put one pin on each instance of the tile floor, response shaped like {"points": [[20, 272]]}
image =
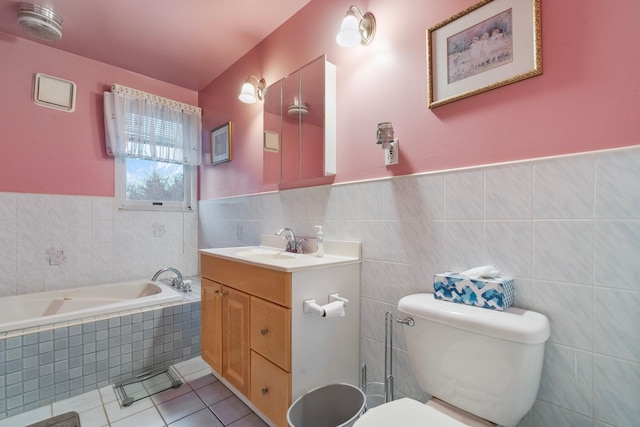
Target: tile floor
{"points": [[201, 401]]}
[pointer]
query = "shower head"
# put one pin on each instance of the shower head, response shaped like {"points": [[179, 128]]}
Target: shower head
{"points": [[39, 21]]}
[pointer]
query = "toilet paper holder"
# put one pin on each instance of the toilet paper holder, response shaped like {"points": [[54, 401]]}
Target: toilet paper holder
{"points": [[310, 306]]}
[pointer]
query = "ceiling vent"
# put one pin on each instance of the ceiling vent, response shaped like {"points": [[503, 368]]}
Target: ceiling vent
{"points": [[40, 21]]}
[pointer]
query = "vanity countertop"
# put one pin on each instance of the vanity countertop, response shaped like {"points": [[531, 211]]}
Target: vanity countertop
{"points": [[271, 254]]}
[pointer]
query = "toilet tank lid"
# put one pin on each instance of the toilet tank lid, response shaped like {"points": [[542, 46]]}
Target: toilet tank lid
{"points": [[513, 324]]}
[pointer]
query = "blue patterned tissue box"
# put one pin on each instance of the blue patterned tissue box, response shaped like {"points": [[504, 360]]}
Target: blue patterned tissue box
{"points": [[496, 294]]}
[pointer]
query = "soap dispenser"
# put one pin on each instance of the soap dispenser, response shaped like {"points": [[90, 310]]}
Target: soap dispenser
{"points": [[319, 241]]}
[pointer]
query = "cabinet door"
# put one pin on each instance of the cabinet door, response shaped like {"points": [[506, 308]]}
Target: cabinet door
{"points": [[211, 324], [271, 332], [270, 389], [235, 338]]}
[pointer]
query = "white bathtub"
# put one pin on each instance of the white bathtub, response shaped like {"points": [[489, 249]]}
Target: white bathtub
{"points": [[45, 308]]}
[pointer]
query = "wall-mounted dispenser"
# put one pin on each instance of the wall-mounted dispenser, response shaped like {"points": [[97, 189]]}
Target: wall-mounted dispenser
{"points": [[385, 137]]}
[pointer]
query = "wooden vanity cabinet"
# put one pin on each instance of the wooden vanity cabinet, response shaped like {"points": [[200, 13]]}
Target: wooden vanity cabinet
{"points": [[262, 346], [247, 309]]}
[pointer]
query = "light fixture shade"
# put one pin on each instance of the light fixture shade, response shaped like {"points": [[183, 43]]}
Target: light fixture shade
{"points": [[247, 94], [349, 35]]}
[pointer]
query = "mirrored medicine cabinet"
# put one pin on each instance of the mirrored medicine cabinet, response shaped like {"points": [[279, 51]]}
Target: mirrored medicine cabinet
{"points": [[300, 125]]}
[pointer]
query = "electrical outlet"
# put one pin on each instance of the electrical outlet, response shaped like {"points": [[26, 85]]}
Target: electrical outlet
{"points": [[391, 153]]}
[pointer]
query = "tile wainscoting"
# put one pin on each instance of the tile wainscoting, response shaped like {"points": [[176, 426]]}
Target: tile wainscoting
{"points": [[567, 229]]}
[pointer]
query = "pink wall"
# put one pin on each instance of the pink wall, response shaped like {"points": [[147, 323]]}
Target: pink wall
{"points": [[586, 99], [51, 151]]}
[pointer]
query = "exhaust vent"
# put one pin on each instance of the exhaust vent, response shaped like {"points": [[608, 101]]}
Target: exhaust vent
{"points": [[40, 21]]}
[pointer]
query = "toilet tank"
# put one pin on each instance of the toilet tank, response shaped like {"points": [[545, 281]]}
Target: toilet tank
{"points": [[483, 361]]}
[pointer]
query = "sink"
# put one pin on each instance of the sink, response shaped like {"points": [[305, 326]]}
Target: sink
{"points": [[266, 254]]}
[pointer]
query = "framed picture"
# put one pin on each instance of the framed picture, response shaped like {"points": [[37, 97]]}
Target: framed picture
{"points": [[491, 44], [221, 144]]}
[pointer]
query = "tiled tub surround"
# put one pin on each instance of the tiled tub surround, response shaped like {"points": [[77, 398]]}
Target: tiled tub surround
{"points": [[52, 363], [567, 229], [100, 243]]}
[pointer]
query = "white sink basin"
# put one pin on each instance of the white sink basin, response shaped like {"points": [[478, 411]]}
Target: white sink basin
{"points": [[266, 254], [271, 254]]}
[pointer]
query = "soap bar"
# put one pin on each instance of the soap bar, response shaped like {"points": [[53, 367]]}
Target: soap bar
{"points": [[495, 293]]}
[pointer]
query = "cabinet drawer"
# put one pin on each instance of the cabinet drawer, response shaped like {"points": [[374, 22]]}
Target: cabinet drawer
{"points": [[268, 284], [271, 332], [270, 389]]}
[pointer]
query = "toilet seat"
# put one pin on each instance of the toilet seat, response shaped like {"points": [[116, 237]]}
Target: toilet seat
{"points": [[411, 413]]}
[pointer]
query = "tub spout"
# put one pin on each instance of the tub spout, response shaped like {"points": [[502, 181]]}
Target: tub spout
{"points": [[177, 281]]}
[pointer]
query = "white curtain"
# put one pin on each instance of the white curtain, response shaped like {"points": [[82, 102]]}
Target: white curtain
{"points": [[146, 126]]}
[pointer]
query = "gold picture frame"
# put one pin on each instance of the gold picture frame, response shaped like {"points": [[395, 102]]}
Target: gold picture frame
{"points": [[491, 44], [221, 144]]}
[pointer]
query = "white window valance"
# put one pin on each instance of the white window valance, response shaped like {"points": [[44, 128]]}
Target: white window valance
{"points": [[147, 126]]}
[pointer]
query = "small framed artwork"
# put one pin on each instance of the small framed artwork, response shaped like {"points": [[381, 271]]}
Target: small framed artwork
{"points": [[221, 141], [491, 44]]}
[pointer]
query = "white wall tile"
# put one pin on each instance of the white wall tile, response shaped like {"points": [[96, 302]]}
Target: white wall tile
{"points": [[420, 197], [564, 188], [617, 317], [384, 281], [509, 192], [617, 254], [464, 195], [464, 244], [569, 309], [563, 251], [8, 233], [567, 378], [546, 415], [425, 242], [617, 189], [8, 206], [362, 201], [508, 246], [617, 387]]}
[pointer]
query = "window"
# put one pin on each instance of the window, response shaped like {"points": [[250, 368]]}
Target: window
{"points": [[154, 185], [156, 145]]}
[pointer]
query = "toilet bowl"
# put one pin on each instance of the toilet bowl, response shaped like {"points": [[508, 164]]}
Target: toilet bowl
{"points": [[411, 413]]}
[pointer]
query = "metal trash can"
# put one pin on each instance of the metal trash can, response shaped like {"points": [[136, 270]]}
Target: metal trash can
{"points": [[333, 405]]}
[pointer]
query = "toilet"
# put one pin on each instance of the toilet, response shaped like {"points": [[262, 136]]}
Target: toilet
{"points": [[482, 367]]}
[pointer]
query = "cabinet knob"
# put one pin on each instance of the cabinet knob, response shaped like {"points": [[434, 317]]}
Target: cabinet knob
{"points": [[265, 331], [217, 291], [264, 390]]}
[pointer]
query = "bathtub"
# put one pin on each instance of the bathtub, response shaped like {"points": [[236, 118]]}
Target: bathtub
{"points": [[47, 308]]}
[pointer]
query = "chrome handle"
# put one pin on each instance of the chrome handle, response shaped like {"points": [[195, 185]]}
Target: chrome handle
{"points": [[264, 390], [265, 331], [407, 321]]}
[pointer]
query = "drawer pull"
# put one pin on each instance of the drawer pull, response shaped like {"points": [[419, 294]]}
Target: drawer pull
{"points": [[264, 390], [265, 331]]}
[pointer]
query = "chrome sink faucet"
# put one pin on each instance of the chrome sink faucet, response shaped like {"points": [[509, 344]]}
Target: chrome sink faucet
{"points": [[292, 244], [177, 281]]}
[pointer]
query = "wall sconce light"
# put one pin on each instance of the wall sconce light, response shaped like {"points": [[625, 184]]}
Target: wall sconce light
{"points": [[356, 28], [385, 137], [249, 93]]}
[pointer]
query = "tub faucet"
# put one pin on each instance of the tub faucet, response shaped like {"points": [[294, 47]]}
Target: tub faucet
{"points": [[177, 281], [292, 244]]}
